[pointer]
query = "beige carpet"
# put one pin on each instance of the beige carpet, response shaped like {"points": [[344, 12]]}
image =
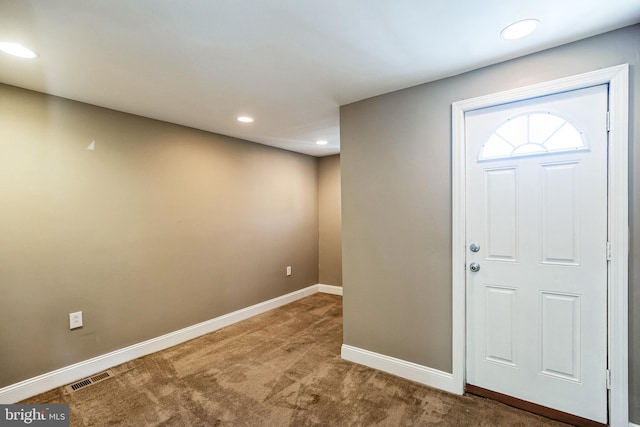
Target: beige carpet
{"points": [[281, 368]]}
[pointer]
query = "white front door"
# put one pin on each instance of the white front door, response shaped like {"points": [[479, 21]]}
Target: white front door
{"points": [[536, 226]]}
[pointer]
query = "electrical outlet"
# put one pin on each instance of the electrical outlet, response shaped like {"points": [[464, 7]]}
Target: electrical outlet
{"points": [[75, 320], [288, 270]]}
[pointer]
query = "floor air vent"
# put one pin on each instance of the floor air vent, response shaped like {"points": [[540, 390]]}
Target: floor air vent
{"points": [[86, 382]]}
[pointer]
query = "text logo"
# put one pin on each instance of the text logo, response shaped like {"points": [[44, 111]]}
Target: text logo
{"points": [[54, 415]]}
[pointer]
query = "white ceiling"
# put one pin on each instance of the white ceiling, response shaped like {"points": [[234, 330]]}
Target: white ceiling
{"points": [[288, 63]]}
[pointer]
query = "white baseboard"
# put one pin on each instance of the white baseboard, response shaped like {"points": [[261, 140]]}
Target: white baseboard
{"points": [[633, 425], [36, 385], [330, 289], [401, 368]]}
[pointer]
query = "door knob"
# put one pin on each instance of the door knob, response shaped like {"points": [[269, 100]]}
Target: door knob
{"points": [[474, 247], [474, 267]]}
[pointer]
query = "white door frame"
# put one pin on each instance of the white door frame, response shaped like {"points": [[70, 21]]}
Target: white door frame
{"points": [[618, 222]]}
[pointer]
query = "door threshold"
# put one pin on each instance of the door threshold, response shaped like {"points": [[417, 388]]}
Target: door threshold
{"points": [[554, 414]]}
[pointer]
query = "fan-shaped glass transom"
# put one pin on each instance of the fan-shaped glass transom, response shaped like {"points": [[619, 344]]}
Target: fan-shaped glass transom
{"points": [[532, 133]]}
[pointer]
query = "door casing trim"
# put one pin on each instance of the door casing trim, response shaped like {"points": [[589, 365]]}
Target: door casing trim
{"points": [[617, 78]]}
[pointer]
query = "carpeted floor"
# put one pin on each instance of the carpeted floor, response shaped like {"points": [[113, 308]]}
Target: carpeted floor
{"points": [[281, 368]]}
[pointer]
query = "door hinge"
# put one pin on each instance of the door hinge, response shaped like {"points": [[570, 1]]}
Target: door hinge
{"points": [[609, 252], [608, 379], [608, 121]]}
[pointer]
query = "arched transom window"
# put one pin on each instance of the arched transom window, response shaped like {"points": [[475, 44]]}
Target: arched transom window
{"points": [[530, 134]]}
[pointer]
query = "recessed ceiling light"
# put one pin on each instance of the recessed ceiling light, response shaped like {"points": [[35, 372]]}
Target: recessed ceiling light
{"points": [[519, 29], [17, 49], [322, 142], [245, 119]]}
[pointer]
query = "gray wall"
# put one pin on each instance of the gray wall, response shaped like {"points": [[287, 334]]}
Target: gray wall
{"points": [[160, 227], [396, 186], [330, 221]]}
